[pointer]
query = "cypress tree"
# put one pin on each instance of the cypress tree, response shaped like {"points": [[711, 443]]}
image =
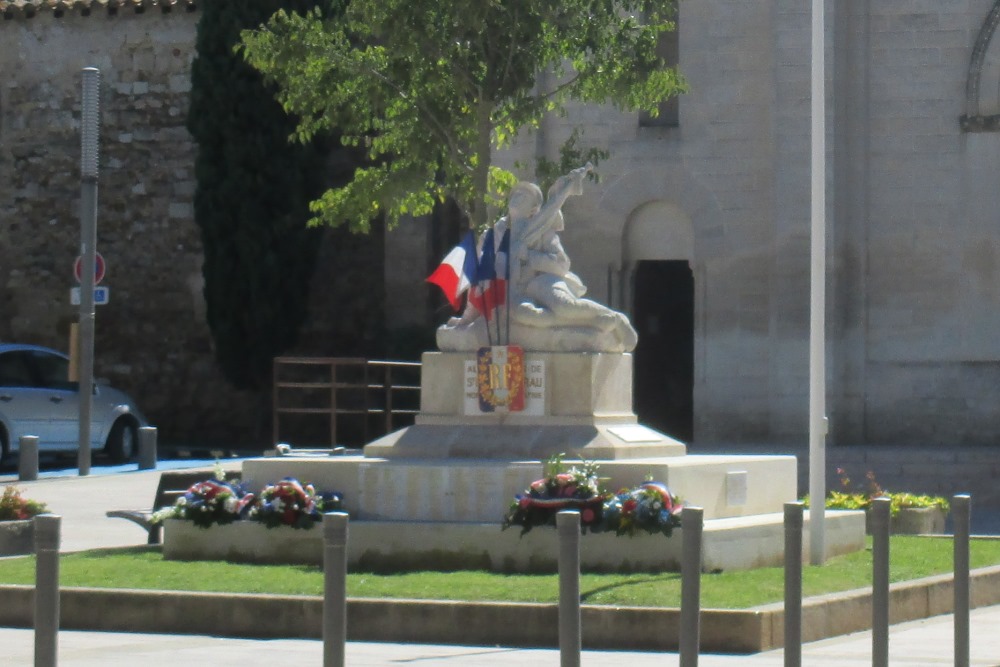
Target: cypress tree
{"points": [[251, 202]]}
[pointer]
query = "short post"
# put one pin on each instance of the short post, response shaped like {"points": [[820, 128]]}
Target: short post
{"points": [[147, 448], [962, 515], [692, 523], [570, 634], [793, 584], [46, 589], [334, 588], [880, 582], [27, 458]]}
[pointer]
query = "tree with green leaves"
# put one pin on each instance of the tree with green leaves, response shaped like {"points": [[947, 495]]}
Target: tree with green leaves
{"points": [[429, 88], [252, 197]]}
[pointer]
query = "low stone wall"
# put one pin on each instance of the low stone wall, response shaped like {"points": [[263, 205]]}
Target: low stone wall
{"points": [[478, 623], [17, 538]]}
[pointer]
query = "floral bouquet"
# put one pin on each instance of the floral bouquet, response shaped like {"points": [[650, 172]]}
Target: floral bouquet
{"points": [[15, 507], [290, 503], [649, 507], [559, 489], [210, 502]]}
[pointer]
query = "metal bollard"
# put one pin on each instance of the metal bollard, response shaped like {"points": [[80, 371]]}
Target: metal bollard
{"points": [[27, 458], [46, 589], [880, 582], [570, 632], [692, 523], [793, 584], [334, 588], [962, 515], [147, 448]]}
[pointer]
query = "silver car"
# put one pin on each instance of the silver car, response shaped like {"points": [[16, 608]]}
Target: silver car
{"points": [[36, 398]]}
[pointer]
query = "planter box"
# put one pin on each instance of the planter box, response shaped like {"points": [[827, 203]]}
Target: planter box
{"points": [[17, 538], [918, 521], [914, 521]]}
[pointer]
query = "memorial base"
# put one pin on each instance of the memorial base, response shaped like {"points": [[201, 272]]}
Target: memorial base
{"points": [[435, 494]]}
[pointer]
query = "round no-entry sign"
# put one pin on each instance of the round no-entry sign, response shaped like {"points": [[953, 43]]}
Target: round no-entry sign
{"points": [[99, 268]]}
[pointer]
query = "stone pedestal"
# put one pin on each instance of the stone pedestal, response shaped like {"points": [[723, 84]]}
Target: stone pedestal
{"points": [[581, 405], [441, 487]]}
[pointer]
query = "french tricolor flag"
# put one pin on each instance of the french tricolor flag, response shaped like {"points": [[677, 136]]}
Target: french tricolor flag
{"points": [[457, 271], [489, 290]]}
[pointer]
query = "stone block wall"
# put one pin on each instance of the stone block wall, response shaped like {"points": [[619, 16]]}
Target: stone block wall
{"points": [[151, 339]]}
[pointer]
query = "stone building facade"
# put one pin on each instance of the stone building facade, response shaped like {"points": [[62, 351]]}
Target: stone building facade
{"points": [[715, 212], [699, 229]]}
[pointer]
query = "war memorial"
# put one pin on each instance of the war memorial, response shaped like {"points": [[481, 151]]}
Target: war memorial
{"points": [[536, 372]]}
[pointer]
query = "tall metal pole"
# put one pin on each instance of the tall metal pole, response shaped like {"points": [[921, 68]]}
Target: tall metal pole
{"points": [[817, 298], [89, 118]]}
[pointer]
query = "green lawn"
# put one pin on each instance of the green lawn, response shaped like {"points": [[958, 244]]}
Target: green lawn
{"points": [[142, 567]]}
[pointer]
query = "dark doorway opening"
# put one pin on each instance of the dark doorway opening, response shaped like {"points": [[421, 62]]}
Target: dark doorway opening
{"points": [[663, 314]]}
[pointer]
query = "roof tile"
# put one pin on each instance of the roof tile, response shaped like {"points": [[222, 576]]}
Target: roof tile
{"points": [[12, 9]]}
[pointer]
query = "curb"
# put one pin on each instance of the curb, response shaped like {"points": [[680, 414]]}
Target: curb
{"points": [[484, 623]]}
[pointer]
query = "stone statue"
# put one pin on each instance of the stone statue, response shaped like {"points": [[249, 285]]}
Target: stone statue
{"points": [[547, 310]]}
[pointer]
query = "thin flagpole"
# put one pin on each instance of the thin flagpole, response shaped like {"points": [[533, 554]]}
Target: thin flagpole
{"points": [[509, 281], [489, 335]]}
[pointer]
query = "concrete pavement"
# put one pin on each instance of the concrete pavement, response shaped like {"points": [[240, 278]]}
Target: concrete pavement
{"points": [[925, 643], [82, 502]]}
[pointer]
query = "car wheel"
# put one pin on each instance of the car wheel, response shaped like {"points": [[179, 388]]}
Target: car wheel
{"points": [[122, 442]]}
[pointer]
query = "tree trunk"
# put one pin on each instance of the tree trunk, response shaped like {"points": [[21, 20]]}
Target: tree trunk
{"points": [[480, 176]]}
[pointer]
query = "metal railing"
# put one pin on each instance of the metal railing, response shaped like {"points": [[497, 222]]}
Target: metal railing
{"points": [[343, 387]]}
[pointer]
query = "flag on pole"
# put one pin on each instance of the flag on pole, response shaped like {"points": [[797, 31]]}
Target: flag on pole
{"points": [[489, 290], [457, 272]]}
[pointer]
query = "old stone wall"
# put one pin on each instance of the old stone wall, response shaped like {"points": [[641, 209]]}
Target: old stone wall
{"points": [[151, 339]]}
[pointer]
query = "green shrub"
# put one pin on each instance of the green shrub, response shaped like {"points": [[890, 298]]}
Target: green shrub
{"points": [[15, 507], [853, 499]]}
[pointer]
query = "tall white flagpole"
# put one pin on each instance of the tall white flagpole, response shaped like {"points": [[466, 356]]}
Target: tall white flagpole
{"points": [[817, 298]]}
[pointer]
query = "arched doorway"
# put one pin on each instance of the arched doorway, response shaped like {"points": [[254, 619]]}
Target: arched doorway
{"points": [[658, 254], [663, 314]]}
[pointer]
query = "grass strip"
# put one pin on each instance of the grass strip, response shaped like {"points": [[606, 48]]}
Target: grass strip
{"points": [[144, 568]]}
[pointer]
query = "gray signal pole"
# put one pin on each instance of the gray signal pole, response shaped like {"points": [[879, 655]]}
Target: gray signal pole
{"points": [[89, 118]]}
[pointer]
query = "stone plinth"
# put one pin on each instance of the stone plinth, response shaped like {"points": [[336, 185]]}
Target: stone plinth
{"points": [[435, 494], [479, 491], [583, 408]]}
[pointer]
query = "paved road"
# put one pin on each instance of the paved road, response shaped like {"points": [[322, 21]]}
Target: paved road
{"points": [[82, 502]]}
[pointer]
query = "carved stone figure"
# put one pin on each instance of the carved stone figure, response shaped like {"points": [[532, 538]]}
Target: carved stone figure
{"points": [[547, 310]]}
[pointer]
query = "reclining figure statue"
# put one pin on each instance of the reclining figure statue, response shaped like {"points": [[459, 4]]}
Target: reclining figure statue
{"points": [[547, 310]]}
